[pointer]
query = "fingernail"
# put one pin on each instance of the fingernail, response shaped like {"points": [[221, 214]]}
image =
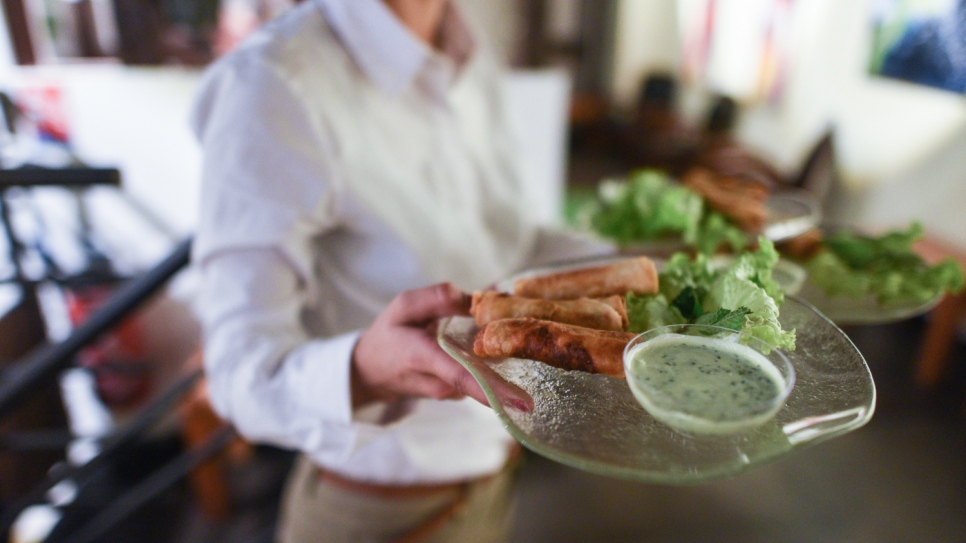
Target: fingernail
{"points": [[520, 405]]}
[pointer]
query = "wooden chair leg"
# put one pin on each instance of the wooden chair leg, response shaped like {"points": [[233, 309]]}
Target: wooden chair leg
{"points": [[938, 341], [209, 481]]}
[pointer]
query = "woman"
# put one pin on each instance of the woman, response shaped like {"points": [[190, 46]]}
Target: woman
{"points": [[355, 150]]}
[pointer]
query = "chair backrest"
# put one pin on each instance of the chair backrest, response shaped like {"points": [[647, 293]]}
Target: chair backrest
{"points": [[817, 174], [538, 104]]}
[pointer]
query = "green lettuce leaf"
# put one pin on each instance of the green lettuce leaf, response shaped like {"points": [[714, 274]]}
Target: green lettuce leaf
{"points": [[681, 272], [716, 230], [725, 318], [650, 311], [861, 252], [885, 267], [646, 207], [757, 267], [744, 296], [649, 206], [688, 303], [835, 277], [733, 292], [946, 275]]}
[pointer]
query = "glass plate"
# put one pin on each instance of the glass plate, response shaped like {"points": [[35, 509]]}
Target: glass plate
{"points": [[849, 311], [791, 213], [592, 422]]}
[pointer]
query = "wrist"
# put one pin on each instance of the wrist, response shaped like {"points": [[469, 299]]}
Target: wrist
{"points": [[361, 393]]}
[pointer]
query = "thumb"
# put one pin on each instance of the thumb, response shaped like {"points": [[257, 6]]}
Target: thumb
{"points": [[428, 303]]}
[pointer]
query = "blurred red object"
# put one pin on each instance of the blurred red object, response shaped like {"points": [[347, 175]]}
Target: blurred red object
{"points": [[119, 358], [43, 104]]}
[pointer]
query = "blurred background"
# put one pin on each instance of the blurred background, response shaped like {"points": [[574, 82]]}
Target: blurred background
{"points": [[109, 438]]}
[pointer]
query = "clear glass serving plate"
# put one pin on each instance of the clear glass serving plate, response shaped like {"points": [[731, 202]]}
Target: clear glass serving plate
{"points": [[851, 311], [866, 310], [592, 422], [791, 213]]}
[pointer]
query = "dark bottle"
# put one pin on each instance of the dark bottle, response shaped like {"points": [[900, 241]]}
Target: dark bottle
{"points": [[657, 137], [721, 153]]}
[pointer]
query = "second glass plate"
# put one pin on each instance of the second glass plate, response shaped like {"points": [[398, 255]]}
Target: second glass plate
{"points": [[851, 311]]}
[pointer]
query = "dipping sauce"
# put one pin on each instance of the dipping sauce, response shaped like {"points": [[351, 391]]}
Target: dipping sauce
{"points": [[704, 385]]}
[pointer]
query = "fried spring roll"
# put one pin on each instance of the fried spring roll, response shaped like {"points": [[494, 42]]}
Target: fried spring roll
{"points": [[636, 275], [597, 314], [619, 303], [560, 345], [740, 200]]}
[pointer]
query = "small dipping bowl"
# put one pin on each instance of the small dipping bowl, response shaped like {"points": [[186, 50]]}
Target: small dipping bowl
{"points": [[702, 379]]}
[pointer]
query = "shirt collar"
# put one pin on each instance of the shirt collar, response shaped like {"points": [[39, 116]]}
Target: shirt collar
{"points": [[389, 54]]}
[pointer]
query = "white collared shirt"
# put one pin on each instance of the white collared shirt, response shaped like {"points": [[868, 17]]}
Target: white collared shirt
{"points": [[345, 162]]}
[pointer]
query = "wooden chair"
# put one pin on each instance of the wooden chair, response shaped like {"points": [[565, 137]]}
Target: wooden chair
{"points": [[933, 358], [199, 422]]}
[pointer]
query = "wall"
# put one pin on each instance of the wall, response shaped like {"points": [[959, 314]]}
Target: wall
{"points": [[7, 60], [932, 192], [645, 40], [137, 120], [501, 22], [883, 127]]}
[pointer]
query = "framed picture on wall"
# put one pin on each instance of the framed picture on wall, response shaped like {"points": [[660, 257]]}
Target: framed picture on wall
{"points": [[921, 41]]}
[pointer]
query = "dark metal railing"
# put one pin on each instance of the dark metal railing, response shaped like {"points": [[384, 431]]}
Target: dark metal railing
{"points": [[110, 447], [154, 484], [29, 373], [24, 376], [81, 176]]}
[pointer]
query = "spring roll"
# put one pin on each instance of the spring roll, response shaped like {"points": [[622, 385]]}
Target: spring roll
{"points": [[561, 345], [636, 275], [491, 306], [619, 303], [742, 201]]}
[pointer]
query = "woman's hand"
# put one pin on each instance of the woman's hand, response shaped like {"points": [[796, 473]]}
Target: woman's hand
{"points": [[398, 356]]}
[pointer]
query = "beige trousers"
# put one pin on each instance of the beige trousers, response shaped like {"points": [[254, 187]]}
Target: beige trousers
{"points": [[318, 511]]}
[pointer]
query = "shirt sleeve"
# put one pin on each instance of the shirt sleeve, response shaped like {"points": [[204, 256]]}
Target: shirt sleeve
{"points": [[275, 384], [268, 176], [268, 190]]}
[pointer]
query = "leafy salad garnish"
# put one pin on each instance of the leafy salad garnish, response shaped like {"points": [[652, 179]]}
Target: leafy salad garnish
{"points": [[648, 206], [884, 266], [742, 297], [726, 318]]}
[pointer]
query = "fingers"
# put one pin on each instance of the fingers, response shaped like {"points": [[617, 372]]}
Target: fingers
{"points": [[429, 386], [435, 361], [395, 357], [463, 383], [510, 395], [429, 359], [417, 306]]}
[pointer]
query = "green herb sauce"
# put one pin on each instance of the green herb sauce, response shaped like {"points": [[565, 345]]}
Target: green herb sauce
{"points": [[704, 385]]}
